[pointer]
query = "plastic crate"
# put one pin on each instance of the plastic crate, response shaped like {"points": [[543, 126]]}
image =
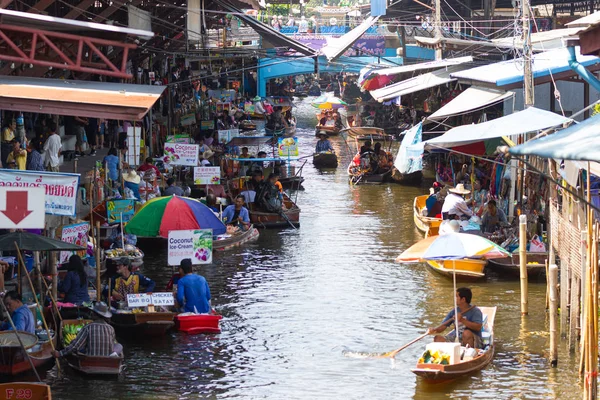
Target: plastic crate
{"points": [[203, 323]]}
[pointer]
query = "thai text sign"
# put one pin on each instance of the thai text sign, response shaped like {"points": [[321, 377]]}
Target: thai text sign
{"points": [[288, 147], [139, 300], [117, 209], [195, 244], [60, 189], [75, 234], [225, 135], [207, 175], [181, 154], [185, 139]]}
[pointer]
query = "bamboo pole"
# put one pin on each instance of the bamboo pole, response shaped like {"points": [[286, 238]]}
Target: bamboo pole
{"points": [[553, 286], [98, 283], [53, 300], [22, 264], [523, 262]]}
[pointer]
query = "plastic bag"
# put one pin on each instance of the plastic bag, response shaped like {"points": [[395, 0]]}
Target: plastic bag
{"points": [[536, 245]]}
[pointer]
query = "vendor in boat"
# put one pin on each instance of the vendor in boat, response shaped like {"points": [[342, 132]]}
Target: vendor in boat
{"points": [[257, 166], [470, 321], [290, 119], [258, 105], [455, 206], [19, 313], [477, 200], [384, 162], [172, 188], [236, 214], [193, 293], [493, 218], [75, 285], [129, 282], [276, 120], [269, 196], [433, 203], [323, 145], [96, 339], [337, 121]]}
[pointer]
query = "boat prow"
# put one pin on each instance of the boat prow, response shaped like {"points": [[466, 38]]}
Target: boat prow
{"points": [[438, 373], [428, 225]]}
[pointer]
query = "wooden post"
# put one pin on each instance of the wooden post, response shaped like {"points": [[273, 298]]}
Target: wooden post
{"points": [[53, 271], [75, 165], [553, 286], [574, 312], [523, 262], [36, 262], [98, 263]]}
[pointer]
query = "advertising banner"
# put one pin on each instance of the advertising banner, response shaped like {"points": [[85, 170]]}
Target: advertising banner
{"points": [[195, 244], [288, 147], [76, 234], [117, 208], [225, 135], [181, 154], [207, 175]]}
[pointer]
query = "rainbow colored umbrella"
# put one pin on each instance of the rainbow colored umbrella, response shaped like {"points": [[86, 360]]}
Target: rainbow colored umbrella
{"points": [[374, 82], [163, 214], [328, 102]]}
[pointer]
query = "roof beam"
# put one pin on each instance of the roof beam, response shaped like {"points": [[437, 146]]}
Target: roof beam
{"points": [[5, 3], [79, 9], [103, 16], [40, 6]]}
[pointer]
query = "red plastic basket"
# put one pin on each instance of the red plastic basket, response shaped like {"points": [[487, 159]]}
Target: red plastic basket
{"points": [[193, 324]]}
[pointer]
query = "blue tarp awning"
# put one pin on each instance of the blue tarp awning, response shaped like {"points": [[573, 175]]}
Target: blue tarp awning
{"points": [[577, 142], [529, 120]]}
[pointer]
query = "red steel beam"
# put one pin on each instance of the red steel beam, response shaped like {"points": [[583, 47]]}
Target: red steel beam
{"points": [[56, 49], [40, 6], [79, 9], [5, 3]]}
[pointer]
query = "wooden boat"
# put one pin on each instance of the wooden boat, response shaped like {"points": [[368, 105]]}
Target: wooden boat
{"points": [[427, 225], [465, 270], [247, 126], [201, 323], [329, 130], [25, 390], [367, 132], [357, 175], [229, 241], [144, 324], [325, 160], [263, 219], [274, 132], [414, 178], [509, 266], [91, 365], [438, 373], [13, 360]]}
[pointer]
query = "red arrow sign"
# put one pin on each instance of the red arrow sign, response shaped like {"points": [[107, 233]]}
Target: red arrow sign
{"points": [[16, 206]]}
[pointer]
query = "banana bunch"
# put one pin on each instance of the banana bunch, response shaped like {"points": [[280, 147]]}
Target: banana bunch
{"points": [[70, 332], [434, 358]]}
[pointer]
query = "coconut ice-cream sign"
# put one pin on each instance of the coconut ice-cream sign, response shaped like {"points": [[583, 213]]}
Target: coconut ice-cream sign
{"points": [[195, 244], [181, 154]]}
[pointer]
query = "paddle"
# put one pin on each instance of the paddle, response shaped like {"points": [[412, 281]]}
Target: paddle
{"points": [[389, 354]]}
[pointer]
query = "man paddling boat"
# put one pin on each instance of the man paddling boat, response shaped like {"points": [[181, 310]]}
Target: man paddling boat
{"points": [[470, 321]]}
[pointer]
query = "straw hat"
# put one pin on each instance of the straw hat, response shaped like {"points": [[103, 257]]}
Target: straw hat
{"points": [[459, 189], [131, 177], [208, 154]]}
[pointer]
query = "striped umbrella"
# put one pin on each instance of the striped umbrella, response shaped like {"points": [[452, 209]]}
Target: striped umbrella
{"points": [[328, 102]]}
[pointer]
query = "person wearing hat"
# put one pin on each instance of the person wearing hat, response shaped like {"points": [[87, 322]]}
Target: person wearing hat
{"points": [[132, 182], [96, 339], [129, 282], [258, 105], [455, 205], [323, 145], [206, 156], [193, 293]]}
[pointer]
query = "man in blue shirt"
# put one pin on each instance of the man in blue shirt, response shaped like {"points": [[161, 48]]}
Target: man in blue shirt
{"points": [[470, 322], [236, 214], [20, 314], [193, 293]]}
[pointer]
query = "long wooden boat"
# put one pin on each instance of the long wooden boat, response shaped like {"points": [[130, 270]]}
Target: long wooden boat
{"points": [[438, 373], [92, 365], [247, 126], [414, 178], [511, 267], [367, 132], [329, 130], [263, 219], [325, 160], [465, 270], [226, 242], [13, 360], [25, 390], [428, 225], [201, 323], [356, 176], [144, 324]]}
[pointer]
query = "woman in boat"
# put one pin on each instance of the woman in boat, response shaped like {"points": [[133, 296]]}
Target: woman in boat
{"points": [[470, 321], [75, 285], [477, 200], [493, 218], [323, 145], [337, 121]]}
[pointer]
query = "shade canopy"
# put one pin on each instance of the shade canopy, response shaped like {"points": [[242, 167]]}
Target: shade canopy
{"points": [[472, 99], [171, 213], [412, 85], [31, 242], [336, 47], [529, 120], [577, 142], [119, 101]]}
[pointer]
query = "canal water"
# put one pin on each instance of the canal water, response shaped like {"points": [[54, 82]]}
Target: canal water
{"points": [[294, 300]]}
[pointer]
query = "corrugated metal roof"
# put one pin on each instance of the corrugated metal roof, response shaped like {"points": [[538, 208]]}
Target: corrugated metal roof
{"points": [[82, 98], [420, 66], [579, 142], [336, 47], [529, 120], [511, 72]]}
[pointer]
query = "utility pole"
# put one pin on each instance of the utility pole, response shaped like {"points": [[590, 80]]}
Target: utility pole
{"points": [[527, 72], [437, 23]]}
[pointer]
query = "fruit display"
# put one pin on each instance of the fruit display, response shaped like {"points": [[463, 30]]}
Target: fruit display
{"points": [[70, 332], [436, 357], [129, 251]]}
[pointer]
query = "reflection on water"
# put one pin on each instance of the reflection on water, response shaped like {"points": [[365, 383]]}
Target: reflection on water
{"points": [[294, 300]]}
